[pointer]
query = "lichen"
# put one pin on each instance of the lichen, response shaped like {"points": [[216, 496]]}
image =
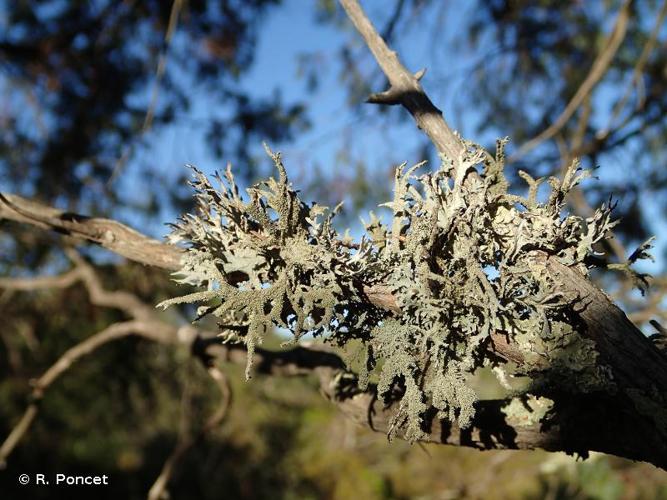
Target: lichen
{"points": [[526, 411], [456, 257]]}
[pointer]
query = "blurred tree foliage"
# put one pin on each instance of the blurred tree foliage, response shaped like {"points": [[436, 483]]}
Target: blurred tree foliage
{"points": [[77, 79], [75, 75], [545, 51]]}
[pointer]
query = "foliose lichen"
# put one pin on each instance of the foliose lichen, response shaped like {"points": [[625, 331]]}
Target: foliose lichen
{"points": [[454, 257]]}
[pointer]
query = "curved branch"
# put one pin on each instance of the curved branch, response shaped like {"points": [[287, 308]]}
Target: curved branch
{"points": [[107, 233], [598, 70], [629, 421], [99, 296], [83, 272], [636, 74], [159, 488], [109, 334], [637, 368], [64, 280], [574, 424]]}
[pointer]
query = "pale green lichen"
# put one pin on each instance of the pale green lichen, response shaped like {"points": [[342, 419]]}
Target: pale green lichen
{"points": [[640, 280], [527, 410], [456, 257]]}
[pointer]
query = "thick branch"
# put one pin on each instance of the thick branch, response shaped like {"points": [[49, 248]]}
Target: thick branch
{"points": [[627, 421], [576, 424], [638, 370]]}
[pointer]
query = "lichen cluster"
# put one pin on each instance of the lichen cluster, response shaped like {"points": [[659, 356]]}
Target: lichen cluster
{"points": [[456, 257]]}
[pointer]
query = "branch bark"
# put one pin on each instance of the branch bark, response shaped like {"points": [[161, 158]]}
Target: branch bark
{"points": [[597, 422], [107, 233], [404, 86]]}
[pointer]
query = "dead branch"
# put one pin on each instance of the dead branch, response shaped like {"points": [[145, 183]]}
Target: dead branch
{"points": [[153, 330], [176, 7], [623, 423], [637, 367], [636, 74], [64, 280], [99, 296], [404, 86], [85, 273], [204, 345]]}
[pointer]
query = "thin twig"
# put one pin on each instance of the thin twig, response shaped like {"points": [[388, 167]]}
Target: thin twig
{"points": [[388, 31], [86, 273], [100, 296], [64, 280], [159, 489], [91, 344], [598, 70], [159, 74], [636, 74]]}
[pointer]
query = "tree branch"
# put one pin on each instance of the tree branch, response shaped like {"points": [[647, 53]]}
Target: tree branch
{"points": [[107, 233], [627, 421], [64, 280], [598, 70], [636, 74], [573, 426], [159, 488], [638, 369], [404, 86], [99, 296], [109, 334]]}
